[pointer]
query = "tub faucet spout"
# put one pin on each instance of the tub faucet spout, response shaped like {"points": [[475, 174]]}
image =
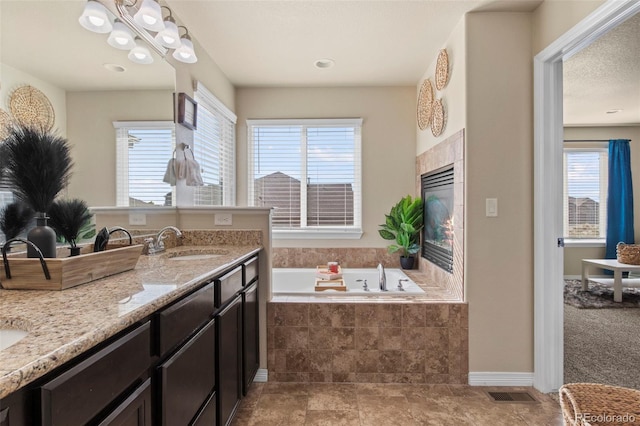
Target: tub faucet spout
{"points": [[382, 277]]}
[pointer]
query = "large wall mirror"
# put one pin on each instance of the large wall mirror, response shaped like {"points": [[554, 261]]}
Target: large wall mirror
{"points": [[89, 84]]}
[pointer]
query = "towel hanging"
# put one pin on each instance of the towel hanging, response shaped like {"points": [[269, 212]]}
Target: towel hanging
{"points": [[192, 169], [170, 173]]}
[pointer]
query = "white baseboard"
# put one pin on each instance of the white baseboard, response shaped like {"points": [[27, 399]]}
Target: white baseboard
{"points": [[500, 379], [261, 376]]}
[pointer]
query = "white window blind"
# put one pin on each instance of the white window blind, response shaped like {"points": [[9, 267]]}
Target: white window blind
{"points": [[585, 193], [308, 170], [214, 149], [143, 150]]}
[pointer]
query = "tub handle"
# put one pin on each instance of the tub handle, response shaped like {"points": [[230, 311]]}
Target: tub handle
{"points": [[6, 245], [400, 288]]}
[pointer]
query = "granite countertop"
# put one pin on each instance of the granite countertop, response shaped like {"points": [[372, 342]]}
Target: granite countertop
{"points": [[64, 324]]}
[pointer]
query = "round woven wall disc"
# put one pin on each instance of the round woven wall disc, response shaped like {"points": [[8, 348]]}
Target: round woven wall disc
{"points": [[5, 122], [437, 121], [442, 69], [425, 104], [30, 107]]}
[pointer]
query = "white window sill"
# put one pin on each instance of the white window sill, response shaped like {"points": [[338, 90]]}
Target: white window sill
{"points": [[590, 242], [316, 234]]}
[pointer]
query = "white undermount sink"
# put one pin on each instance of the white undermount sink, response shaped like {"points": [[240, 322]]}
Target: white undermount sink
{"points": [[10, 336]]}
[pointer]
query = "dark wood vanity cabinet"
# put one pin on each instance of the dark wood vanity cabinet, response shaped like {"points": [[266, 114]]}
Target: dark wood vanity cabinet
{"points": [[250, 343], [229, 367], [188, 363]]}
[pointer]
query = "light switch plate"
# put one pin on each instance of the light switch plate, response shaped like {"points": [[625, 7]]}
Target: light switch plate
{"points": [[224, 219], [491, 205], [137, 219]]}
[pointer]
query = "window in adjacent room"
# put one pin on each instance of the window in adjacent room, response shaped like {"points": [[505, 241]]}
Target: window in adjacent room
{"points": [[585, 193], [309, 171], [143, 150], [214, 149]]}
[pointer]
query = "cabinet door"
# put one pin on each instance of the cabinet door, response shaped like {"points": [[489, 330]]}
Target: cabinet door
{"points": [[250, 346], [188, 378], [134, 411], [229, 360]]}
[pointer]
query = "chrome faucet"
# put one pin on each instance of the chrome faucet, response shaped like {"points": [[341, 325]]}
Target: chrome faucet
{"points": [[155, 244], [382, 277]]}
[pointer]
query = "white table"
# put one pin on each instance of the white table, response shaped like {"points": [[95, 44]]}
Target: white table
{"points": [[611, 265]]}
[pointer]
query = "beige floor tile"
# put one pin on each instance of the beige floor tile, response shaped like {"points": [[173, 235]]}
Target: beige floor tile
{"points": [[332, 418]]}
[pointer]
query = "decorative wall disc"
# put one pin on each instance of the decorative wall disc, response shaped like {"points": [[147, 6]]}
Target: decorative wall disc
{"points": [[442, 70], [437, 121], [30, 107], [425, 104], [5, 122]]}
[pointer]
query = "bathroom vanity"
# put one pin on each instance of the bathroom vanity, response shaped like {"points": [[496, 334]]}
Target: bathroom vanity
{"points": [[172, 342]]}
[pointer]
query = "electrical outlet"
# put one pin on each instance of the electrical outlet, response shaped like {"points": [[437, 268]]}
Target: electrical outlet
{"points": [[137, 219], [491, 205], [224, 219]]}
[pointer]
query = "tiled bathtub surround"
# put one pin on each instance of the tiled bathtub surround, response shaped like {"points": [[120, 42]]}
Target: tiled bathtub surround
{"points": [[367, 342], [450, 151], [348, 257]]}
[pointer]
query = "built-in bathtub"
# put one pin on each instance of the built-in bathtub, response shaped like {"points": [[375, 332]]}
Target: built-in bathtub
{"points": [[301, 282]]}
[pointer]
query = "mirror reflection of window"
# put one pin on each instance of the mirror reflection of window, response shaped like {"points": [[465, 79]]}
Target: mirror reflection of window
{"points": [[143, 150]]}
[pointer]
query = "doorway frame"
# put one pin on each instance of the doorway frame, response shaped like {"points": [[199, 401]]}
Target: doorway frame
{"points": [[548, 177]]}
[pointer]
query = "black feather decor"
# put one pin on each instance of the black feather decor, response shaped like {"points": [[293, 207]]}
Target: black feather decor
{"points": [[37, 164], [14, 218], [68, 217]]}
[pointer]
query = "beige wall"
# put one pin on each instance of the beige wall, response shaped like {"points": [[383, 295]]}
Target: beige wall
{"points": [[12, 78], [388, 143], [453, 94], [553, 18], [499, 161], [90, 117], [574, 255]]}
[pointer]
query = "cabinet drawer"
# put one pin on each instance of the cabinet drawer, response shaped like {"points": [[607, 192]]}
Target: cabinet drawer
{"points": [[228, 285], [207, 416], [188, 378], [135, 410], [250, 270], [180, 320], [79, 394]]}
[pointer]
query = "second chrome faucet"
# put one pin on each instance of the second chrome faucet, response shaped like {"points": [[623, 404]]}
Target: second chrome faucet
{"points": [[155, 244]]}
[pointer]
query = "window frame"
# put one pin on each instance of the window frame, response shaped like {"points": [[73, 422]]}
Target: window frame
{"points": [[311, 232], [598, 147]]}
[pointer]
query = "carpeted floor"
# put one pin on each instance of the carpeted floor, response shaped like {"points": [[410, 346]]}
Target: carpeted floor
{"points": [[602, 346], [598, 296]]}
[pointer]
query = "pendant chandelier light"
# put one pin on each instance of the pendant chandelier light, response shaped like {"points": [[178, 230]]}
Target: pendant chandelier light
{"points": [[139, 26]]}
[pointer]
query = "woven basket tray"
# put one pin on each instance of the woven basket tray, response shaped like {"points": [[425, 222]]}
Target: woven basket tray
{"points": [[628, 253]]}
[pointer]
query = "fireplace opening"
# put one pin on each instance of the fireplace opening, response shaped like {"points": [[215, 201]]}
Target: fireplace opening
{"points": [[437, 234]]}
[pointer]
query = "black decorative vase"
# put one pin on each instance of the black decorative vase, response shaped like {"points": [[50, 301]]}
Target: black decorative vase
{"points": [[407, 262], [42, 236], [75, 251]]}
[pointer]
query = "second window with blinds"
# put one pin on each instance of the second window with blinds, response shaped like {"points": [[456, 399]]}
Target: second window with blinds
{"points": [[309, 171]]}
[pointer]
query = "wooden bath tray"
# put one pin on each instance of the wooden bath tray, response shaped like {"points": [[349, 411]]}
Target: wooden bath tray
{"points": [[322, 285], [325, 274], [67, 272]]}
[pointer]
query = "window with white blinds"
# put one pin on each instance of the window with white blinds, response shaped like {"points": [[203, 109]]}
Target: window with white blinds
{"points": [[309, 171], [214, 150], [585, 193], [143, 150]]}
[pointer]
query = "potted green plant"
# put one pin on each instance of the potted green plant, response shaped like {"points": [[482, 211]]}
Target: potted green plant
{"points": [[403, 224]]}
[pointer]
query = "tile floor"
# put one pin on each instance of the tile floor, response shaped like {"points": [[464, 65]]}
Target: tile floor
{"points": [[366, 404]]}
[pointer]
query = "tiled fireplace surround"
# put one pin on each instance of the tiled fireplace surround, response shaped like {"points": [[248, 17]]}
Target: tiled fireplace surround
{"points": [[421, 341]]}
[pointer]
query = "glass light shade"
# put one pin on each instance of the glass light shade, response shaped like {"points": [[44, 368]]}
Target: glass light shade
{"points": [[169, 37], [149, 16], [185, 52], [140, 54], [96, 18], [121, 37]]}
